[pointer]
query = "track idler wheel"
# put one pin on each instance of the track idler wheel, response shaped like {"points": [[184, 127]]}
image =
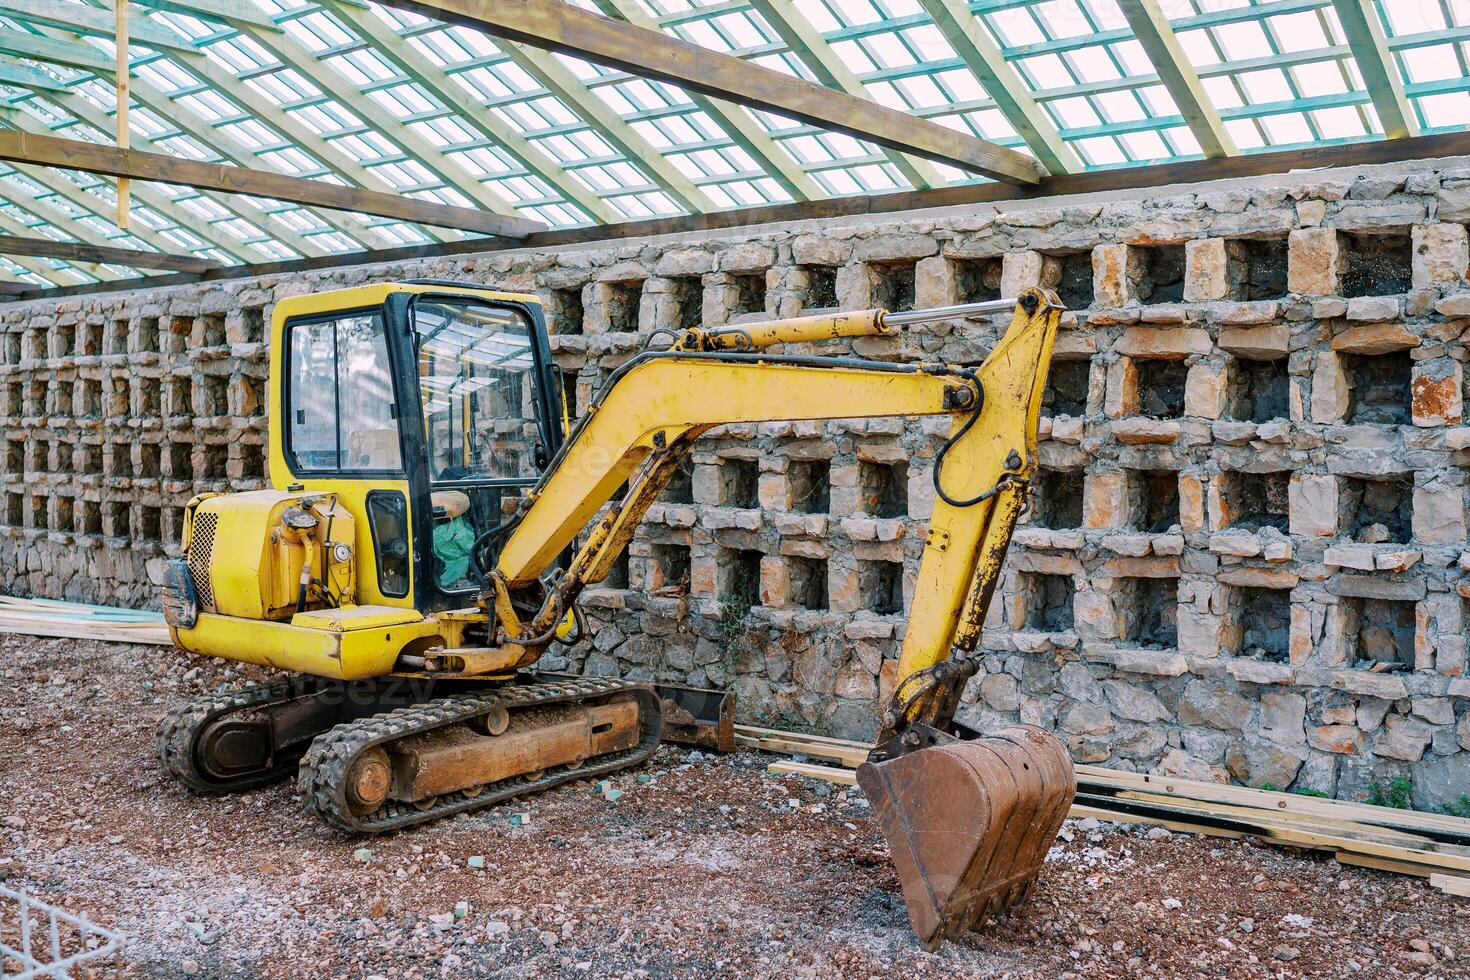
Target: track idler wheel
{"points": [[369, 780], [969, 823]]}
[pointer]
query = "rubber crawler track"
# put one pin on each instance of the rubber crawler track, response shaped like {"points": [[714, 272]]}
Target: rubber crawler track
{"points": [[180, 729], [322, 778]]}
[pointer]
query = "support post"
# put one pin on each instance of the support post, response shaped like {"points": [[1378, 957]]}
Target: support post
{"points": [[124, 69]]}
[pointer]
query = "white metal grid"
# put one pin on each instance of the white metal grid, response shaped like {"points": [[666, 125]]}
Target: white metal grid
{"points": [[40, 940]]}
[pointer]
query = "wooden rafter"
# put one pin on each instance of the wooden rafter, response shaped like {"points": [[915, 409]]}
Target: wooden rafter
{"points": [[73, 54], [67, 277], [66, 224], [80, 155], [77, 18], [88, 198], [1154, 32], [808, 45], [1380, 71], [561, 82], [23, 44], [735, 121], [1000, 80], [96, 21], [349, 94], [29, 78], [236, 13], [437, 82], [50, 248], [563, 28]]}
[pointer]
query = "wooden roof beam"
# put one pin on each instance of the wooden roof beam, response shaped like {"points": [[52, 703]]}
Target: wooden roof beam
{"points": [[1000, 80], [67, 154], [566, 29], [1380, 71], [1154, 32], [50, 248]]}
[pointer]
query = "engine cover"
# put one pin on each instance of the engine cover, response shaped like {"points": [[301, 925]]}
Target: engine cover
{"points": [[245, 558]]}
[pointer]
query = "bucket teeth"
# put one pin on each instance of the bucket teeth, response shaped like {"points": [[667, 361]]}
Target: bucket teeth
{"points": [[969, 823]]}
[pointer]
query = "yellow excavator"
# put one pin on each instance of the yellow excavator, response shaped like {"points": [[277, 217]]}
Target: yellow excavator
{"points": [[434, 517]]}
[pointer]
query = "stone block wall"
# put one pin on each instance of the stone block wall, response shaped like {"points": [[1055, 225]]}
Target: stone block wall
{"points": [[1246, 554]]}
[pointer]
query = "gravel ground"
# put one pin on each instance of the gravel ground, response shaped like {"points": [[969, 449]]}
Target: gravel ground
{"points": [[710, 867]]}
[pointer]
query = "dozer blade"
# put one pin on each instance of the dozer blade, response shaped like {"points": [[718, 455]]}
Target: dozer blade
{"points": [[969, 823], [698, 716]]}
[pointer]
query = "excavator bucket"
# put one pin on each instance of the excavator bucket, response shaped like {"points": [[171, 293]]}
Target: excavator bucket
{"points": [[969, 823]]}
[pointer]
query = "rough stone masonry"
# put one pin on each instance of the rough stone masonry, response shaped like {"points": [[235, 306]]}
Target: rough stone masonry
{"points": [[1246, 555]]}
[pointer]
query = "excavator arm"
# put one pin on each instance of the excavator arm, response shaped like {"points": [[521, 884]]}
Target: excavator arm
{"points": [[969, 819], [655, 406]]}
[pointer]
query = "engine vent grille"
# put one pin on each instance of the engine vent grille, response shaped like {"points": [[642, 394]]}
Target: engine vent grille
{"points": [[201, 547]]}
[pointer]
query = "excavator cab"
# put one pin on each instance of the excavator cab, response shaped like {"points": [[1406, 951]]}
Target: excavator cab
{"points": [[407, 421], [439, 404]]}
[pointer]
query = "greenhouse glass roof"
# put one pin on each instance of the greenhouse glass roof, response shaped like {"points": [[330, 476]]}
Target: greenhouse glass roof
{"points": [[374, 97]]}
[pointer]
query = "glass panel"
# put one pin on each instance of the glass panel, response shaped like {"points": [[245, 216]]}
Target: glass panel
{"points": [[368, 427], [388, 519], [342, 416], [476, 382], [313, 394]]}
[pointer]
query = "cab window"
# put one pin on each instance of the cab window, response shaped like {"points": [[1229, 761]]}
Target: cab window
{"points": [[476, 370], [341, 414]]}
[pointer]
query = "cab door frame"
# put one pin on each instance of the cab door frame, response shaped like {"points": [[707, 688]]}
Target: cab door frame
{"points": [[399, 313], [356, 488]]}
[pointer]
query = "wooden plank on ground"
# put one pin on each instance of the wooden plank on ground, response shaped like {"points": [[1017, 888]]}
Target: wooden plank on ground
{"points": [[1081, 811], [1451, 884], [852, 758], [755, 731], [1394, 840], [155, 638], [842, 777], [1384, 864], [1412, 821], [80, 621], [1360, 838]]}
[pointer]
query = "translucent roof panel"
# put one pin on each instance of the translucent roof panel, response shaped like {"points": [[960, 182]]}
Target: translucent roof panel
{"points": [[379, 98]]}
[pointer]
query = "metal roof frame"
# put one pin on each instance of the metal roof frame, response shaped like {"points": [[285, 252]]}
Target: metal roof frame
{"points": [[374, 98]]}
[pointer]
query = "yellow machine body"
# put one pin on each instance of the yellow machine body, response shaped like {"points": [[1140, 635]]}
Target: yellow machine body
{"points": [[312, 577]]}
